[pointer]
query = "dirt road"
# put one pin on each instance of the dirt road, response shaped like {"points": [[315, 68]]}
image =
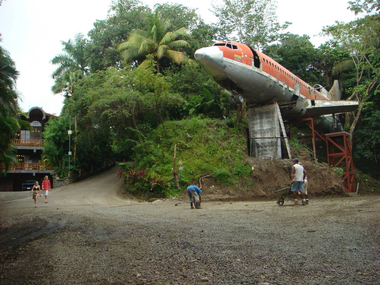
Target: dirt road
{"points": [[89, 233]]}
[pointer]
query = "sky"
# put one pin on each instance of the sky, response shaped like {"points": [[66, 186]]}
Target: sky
{"points": [[32, 31]]}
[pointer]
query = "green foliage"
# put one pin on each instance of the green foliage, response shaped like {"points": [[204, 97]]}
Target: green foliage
{"points": [[201, 93], [56, 144], [338, 170], [364, 6], [298, 55], [9, 120], [334, 62], [204, 146], [72, 65], [157, 39], [142, 114], [144, 183], [295, 143], [367, 139], [125, 165], [253, 21], [366, 183], [360, 39], [223, 176], [124, 17]]}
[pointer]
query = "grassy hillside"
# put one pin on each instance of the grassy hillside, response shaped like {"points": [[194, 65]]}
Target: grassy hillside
{"points": [[203, 147], [216, 149]]}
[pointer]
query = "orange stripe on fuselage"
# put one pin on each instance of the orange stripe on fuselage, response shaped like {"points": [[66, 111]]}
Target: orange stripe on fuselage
{"points": [[243, 54]]}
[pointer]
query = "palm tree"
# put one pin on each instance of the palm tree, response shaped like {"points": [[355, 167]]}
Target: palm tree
{"points": [[73, 64], [9, 121], [157, 40]]}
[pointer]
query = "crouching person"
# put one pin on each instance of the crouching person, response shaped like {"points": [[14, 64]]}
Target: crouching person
{"points": [[195, 196]]}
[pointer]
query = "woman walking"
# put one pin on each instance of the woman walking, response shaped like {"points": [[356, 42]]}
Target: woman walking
{"points": [[36, 192], [46, 187]]}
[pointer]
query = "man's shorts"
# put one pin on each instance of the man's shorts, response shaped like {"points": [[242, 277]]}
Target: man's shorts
{"points": [[297, 185], [46, 192]]}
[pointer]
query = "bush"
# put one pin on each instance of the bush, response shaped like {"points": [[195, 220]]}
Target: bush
{"points": [[338, 170], [223, 176]]}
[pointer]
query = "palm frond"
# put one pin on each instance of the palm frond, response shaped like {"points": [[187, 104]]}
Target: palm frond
{"points": [[161, 51], [178, 44], [172, 36], [182, 32], [176, 56]]}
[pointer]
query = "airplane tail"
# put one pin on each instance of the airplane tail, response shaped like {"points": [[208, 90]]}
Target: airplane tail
{"points": [[335, 92]]}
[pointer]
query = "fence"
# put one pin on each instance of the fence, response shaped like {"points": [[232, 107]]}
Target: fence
{"points": [[35, 166]]}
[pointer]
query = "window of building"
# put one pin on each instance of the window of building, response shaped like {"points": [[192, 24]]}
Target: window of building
{"points": [[25, 135], [36, 127]]}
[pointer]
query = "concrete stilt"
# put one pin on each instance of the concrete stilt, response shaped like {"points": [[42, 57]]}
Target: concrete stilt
{"points": [[265, 123]]}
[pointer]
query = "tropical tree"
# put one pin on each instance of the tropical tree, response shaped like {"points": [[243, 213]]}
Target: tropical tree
{"points": [[9, 122], [156, 40], [367, 138], [362, 6], [73, 65], [298, 55], [181, 16], [56, 148], [123, 17], [360, 38], [335, 63], [253, 22]]}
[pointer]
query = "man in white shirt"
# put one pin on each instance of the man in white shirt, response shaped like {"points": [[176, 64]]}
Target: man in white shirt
{"points": [[297, 179]]}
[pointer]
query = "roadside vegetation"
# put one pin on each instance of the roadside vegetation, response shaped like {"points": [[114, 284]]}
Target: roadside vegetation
{"points": [[133, 91]]}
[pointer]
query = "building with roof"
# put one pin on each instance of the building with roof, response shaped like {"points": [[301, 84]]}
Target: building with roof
{"points": [[29, 144]]}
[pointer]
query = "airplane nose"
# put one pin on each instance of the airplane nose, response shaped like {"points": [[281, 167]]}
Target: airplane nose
{"points": [[211, 58]]}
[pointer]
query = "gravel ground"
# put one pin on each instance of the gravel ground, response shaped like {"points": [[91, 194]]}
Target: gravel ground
{"points": [[89, 234]]}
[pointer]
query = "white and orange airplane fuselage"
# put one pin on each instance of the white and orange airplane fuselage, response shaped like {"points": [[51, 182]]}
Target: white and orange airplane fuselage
{"points": [[248, 73]]}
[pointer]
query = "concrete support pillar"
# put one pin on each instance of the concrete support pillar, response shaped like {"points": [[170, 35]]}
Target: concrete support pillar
{"points": [[264, 132]]}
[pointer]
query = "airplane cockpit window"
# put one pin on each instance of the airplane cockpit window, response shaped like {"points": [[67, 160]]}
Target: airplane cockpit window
{"points": [[219, 44], [229, 46], [234, 47]]}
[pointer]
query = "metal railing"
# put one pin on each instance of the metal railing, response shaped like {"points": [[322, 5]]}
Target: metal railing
{"points": [[21, 142], [32, 166]]}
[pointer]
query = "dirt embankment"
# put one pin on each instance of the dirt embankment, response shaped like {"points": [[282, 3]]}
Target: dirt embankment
{"points": [[271, 175]]}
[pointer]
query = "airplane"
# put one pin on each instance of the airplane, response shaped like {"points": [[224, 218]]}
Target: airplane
{"points": [[251, 75]]}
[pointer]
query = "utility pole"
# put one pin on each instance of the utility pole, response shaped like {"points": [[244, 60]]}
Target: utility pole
{"points": [[69, 132]]}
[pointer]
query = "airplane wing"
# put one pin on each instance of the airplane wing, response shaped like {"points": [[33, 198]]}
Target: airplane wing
{"points": [[324, 107], [307, 108]]}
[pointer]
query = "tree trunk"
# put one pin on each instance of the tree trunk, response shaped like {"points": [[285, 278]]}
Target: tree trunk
{"points": [[175, 172]]}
